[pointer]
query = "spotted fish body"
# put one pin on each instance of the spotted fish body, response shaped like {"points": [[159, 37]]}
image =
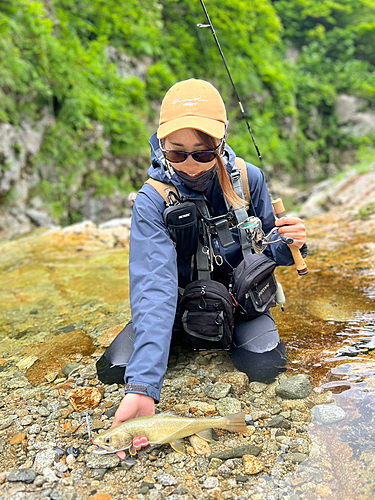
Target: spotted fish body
{"points": [[164, 428]]}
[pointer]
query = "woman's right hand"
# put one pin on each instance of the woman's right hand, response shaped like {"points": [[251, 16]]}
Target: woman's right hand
{"points": [[133, 405]]}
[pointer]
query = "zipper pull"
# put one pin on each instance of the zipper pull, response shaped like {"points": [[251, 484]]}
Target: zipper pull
{"points": [[202, 301], [234, 301]]}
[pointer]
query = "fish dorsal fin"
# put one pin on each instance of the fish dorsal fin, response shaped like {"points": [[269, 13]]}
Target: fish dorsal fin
{"points": [[206, 435], [170, 412], [178, 445]]}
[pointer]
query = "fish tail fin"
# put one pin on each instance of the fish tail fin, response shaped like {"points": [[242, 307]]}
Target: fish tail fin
{"points": [[235, 422]]}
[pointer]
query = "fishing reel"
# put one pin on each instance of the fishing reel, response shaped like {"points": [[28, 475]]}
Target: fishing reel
{"points": [[255, 234]]}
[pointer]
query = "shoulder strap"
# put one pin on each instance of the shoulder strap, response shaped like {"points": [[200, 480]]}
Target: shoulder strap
{"points": [[241, 165], [241, 187], [163, 188]]}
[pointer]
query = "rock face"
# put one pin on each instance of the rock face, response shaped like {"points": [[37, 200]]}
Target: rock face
{"points": [[352, 192], [17, 145], [353, 120]]}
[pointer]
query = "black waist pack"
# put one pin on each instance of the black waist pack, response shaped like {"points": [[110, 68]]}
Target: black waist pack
{"points": [[254, 285], [181, 221], [207, 315]]}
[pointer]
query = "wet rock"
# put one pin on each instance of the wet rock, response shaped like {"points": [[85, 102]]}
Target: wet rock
{"points": [[50, 475], [101, 496], [300, 416], [6, 423], [299, 445], [237, 452], [210, 482], [295, 457], [22, 475], [17, 383], [166, 480], [224, 471], [111, 412], [241, 479], [85, 398], [110, 388], [218, 391], [89, 373], [50, 377], [200, 445], [43, 411], [238, 380], [34, 429], [252, 465], [203, 407], [226, 406], [181, 408], [67, 369], [70, 459], [215, 463], [279, 422], [259, 415], [202, 465], [45, 459], [174, 457], [18, 438], [55, 415], [328, 413], [294, 387], [323, 398], [257, 387], [102, 461]]}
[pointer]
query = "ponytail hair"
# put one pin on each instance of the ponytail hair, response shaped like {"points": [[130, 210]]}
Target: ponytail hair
{"points": [[222, 173]]}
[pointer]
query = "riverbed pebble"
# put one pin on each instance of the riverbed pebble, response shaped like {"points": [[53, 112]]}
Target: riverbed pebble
{"points": [[226, 406], [22, 475], [294, 387], [328, 414], [218, 390]]}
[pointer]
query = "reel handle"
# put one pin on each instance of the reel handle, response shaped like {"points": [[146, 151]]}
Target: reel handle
{"points": [[301, 266]]}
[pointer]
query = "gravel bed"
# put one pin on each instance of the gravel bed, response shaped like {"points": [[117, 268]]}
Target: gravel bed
{"points": [[46, 452]]}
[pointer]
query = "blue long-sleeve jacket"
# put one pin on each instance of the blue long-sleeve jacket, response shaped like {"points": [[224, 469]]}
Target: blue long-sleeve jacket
{"points": [[156, 273]]}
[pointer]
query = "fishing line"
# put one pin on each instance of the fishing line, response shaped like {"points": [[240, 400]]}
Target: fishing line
{"points": [[210, 25]]}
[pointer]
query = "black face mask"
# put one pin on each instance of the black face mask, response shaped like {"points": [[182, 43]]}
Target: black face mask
{"points": [[199, 183]]}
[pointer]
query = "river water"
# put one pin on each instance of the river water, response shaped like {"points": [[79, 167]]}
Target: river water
{"points": [[64, 294]]}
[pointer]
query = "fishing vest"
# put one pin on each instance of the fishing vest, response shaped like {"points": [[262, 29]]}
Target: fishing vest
{"points": [[208, 307]]}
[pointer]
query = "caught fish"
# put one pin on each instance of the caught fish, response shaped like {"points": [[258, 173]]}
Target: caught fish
{"points": [[166, 427]]}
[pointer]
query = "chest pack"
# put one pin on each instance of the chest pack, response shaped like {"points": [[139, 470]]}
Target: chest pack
{"points": [[208, 308]]}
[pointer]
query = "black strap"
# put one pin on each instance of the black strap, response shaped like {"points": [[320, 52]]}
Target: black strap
{"points": [[203, 257]]}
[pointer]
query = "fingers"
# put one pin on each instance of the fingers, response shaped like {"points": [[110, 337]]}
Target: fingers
{"points": [[140, 442], [292, 227], [121, 454]]}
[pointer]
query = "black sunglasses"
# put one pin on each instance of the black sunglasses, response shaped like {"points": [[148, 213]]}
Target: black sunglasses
{"points": [[199, 156]]}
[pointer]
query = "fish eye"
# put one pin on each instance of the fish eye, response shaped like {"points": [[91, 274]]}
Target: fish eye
{"points": [[107, 440]]}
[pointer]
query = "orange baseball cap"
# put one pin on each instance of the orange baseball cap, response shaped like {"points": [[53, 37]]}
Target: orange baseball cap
{"points": [[192, 104]]}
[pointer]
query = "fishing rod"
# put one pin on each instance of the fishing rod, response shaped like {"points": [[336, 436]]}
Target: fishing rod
{"points": [[277, 204]]}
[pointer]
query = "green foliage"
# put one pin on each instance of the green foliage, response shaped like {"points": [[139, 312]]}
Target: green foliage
{"points": [[75, 60]]}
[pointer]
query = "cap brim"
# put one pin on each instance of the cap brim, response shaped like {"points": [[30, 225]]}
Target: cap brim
{"points": [[206, 125]]}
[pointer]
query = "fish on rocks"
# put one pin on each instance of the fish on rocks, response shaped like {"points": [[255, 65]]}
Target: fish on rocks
{"points": [[163, 428]]}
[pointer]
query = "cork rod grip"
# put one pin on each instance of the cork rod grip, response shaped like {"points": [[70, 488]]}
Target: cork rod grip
{"points": [[301, 267]]}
